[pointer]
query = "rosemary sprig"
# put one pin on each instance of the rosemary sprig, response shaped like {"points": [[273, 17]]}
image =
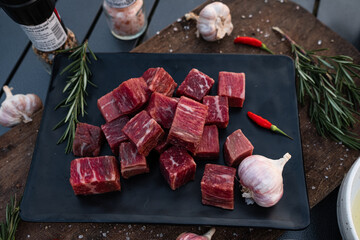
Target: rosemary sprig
{"points": [[8, 228], [76, 90], [334, 98]]}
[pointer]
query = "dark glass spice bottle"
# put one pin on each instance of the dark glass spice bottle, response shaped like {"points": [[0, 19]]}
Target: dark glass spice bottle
{"points": [[42, 24]]}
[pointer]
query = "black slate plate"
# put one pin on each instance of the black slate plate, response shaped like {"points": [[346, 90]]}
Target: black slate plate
{"points": [[270, 91]]}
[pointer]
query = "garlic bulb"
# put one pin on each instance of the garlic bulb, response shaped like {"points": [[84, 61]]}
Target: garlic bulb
{"points": [[213, 22], [17, 108], [261, 179], [193, 236]]}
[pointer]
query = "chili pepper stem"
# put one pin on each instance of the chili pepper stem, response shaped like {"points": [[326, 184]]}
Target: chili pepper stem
{"points": [[264, 47], [276, 129]]}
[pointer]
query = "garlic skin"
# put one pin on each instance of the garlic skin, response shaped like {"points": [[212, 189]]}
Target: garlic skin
{"points": [[213, 22], [193, 236], [261, 179], [17, 108]]}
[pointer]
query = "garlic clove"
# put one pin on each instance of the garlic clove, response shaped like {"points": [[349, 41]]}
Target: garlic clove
{"points": [[261, 179], [223, 21], [17, 108], [18, 105], [213, 22], [7, 120], [193, 236]]}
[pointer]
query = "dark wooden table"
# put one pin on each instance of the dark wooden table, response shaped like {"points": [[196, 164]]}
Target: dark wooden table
{"points": [[20, 69]]}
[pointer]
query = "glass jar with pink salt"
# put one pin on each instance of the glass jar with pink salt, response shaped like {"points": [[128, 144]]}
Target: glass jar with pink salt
{"points": [[126, 18]]}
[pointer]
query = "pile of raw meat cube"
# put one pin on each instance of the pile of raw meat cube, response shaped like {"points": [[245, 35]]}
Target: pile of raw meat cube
{"points": [[142, 115]]}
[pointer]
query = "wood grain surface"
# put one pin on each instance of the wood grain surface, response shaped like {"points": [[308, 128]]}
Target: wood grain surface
{"points": [[326, 161]]}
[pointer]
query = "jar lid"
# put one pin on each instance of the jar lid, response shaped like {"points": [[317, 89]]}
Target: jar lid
{"points": [[16, 3], [28, 12], [120, 3]]}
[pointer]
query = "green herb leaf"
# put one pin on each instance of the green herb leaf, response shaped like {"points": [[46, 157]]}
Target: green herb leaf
{"points": [[76, 91], [327, 83], [8, 228]]}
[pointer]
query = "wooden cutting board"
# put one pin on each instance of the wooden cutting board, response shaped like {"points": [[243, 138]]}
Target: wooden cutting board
{"points": [[326, 162]]}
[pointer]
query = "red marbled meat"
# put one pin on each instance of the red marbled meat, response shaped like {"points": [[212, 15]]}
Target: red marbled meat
{"points": [[144, 131], [87, 141], [196, 85], [236, 148], [217, 186], [188, 124], [131, 95], [94, 175], [218, 110], [132, 162], [162, 109], [108, 107], [177, 167], [209, 147], [159, 81], [232, 85], [113, 133], [162, 144]]}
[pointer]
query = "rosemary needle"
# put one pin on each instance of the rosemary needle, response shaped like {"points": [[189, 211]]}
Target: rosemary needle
{"points": [[76, 90], [327, 83], [8, 228]]}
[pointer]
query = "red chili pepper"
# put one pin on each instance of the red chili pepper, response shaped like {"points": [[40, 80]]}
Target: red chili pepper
{"points": [[252, 42], [265, 123]]}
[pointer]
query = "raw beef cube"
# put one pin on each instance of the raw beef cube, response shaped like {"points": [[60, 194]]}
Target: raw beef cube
{"points": [[144, 131], [217, 186], [132, 162], [218, 111], [209, 145], [162, 144], [108, 107], [188, 124], [87, 141], [159, 81], [236, 148], [232, 85], [177, 167], [162, 109], [131, 95], [113, 133], [196, 85], [94, 175]]}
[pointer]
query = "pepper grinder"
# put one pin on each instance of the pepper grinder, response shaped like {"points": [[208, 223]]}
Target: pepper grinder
{"points": [[42, 24]]}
